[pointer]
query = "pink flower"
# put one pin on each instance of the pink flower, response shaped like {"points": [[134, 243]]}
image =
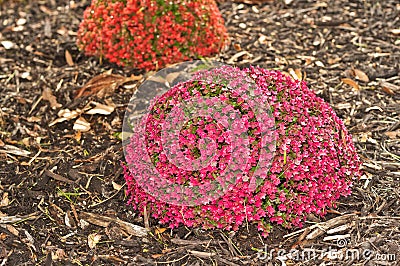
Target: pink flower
{"points": [[313, 164]]}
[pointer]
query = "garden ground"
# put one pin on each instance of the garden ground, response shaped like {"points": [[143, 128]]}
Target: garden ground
{"points": [[62, 192]]}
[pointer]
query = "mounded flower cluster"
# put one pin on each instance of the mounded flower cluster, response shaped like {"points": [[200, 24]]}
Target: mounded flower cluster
{"points": [[311, 166], [149, 34]]}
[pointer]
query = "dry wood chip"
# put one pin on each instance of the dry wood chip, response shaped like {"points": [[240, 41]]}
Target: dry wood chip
{"points": [[319, 63], [7, 44], [178, 241], [236, 56], [93, 239], [336, 237], [47, 95], [4, 200], [373, 166], [14, 150], [104, 221], [322, 227], [202, 254], [395, 31], [58, 177], [81, 125], [17, 218]]}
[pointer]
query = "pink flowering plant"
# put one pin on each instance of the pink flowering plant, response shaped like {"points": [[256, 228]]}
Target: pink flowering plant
{"points": [[230, 146], [150, 34]]}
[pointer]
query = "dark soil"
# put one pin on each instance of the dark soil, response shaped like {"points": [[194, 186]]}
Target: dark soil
{"points": [[51, 177]]}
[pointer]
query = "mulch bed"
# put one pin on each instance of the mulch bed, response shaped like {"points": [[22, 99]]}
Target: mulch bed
{"points": [[62, 193]]}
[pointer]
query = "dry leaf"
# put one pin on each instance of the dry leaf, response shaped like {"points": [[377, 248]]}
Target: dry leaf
{"points": [[12, 229], [101, 109], [93, 240], [104, 84], [389, 88], [33, 119], [296, 73], [351, 82], [4, 201], [68, 58], [62, 31], [3, 236], [171, 77], [47, 11], [116, 186], [78, 136], [361, 75], [299, 73], [393, 134], [237, 47], [59, 254], [66, 115], [160, 230], [47, 95], [335, 60], [26, 142], [364, 136], [81, 125]]}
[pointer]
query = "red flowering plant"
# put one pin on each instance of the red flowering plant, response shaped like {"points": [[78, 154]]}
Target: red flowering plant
{"points": [[230, 146], [149, 34]]}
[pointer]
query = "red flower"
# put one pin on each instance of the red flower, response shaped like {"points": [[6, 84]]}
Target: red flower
{"points": [[149, 35]]}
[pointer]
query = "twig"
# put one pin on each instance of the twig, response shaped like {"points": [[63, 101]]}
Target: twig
{"points": [[104, 221], [107, 199], [323, 225], [18, 218], [202, 254], [172, 261]]}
